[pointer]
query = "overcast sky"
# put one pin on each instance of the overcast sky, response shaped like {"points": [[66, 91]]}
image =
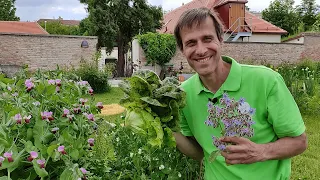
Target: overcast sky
{"points": [[32, 10]]}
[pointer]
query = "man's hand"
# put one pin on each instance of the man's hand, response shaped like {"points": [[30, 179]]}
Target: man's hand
{"points": [[243, 151]]}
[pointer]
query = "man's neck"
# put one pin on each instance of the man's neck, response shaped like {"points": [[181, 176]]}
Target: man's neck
{"points": [[215, 80]]}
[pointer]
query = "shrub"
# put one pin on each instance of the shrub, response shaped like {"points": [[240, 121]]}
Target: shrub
{"points": [[46, 127], [98, 80]]}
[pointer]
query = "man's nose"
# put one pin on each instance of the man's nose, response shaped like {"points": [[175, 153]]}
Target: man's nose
{"points": [[201, 49]]}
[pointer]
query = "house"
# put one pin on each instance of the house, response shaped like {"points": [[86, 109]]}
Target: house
{"points": [[63, 22], [239, 24], [17, 27]]}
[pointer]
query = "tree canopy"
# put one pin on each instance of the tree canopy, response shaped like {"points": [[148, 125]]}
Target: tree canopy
{"points": [[116, 22], [8, 11], [308, 12], [55, 27], [282, 14]]}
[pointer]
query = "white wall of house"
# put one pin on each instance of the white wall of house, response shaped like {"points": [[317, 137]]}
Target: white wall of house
{"points": [[259, 37], [104, 55], [296, 41]]}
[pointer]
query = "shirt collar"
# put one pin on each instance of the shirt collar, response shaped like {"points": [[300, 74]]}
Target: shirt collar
{"points": [[232, 82]]}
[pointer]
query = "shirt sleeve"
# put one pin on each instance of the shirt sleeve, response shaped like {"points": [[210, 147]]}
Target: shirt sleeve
{"points": [[283, 112], [185, 129]]}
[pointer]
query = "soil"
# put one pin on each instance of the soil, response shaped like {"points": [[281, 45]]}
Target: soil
{"points": [[112, 109]]}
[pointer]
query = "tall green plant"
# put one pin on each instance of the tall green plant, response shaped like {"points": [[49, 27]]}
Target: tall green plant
{"points": [[158, 48], [47, 125]]}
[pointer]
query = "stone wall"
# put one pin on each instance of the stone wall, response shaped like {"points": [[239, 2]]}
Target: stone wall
{"points": [[262, 53], [43, 51]]}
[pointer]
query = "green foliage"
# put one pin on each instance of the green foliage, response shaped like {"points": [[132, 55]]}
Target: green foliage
{"points": [[89, 71], [55, 27], [8, 11], [152, 106], [116, 22], [308, 12], [316, 25], [282, 14], [34, 117], [158, 48], [136, 159]]}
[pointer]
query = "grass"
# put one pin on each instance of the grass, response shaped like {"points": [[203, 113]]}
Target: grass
{"points": [[304, 167]]}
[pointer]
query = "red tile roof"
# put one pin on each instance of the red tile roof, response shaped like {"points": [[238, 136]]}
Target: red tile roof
{"points": [[257, 24], [21, 27], [64, 22]]}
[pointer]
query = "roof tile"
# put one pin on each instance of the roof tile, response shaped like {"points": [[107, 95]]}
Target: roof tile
{"points": [[21, 27]]}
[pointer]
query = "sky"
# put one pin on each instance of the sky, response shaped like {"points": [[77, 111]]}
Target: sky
{"points": [[32, 10]]}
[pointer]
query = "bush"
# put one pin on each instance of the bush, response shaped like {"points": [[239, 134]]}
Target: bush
{"points": [[46, 127], [97, 79]]}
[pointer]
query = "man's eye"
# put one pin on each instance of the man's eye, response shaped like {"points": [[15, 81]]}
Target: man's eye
{"points": [[190, 44], [208, 39]]}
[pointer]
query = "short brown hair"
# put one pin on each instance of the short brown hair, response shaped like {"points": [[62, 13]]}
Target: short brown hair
{"points": [[197, 16]]}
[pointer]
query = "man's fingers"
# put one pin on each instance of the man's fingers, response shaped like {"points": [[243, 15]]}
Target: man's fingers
{"points": [[235, 140], [234, 156], [236, 149]]}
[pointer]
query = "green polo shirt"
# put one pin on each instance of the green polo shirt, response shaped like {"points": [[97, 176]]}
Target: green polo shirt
{"points": [[277, 115]]}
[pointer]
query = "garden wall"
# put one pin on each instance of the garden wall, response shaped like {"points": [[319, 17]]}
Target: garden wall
{"points": [[43, 51], [262, 53]]}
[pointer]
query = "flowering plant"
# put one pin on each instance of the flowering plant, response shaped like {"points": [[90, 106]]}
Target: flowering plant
{"points": [[234, 118], [46, 126]]}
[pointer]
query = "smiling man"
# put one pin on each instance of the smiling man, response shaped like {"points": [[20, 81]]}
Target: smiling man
{"points": [[279, 130]]}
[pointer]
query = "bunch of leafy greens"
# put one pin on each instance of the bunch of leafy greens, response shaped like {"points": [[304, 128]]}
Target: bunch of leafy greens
{"points": [[152, 106]]}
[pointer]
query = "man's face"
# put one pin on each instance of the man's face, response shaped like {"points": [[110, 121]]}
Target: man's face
{"points": [[201, 47]]}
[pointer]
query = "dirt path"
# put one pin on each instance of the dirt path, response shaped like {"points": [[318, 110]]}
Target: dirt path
{"points": [[112, 109]]}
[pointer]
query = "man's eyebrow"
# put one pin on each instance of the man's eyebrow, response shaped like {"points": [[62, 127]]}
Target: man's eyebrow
{"points": [[190, 41]]}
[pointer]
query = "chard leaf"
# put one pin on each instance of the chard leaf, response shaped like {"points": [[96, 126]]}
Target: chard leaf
{"points": [[156, 133], [151, 101], [150, 76], [138, 120], [169, 138]]}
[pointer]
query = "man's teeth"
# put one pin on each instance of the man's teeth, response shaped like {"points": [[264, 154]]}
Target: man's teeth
{"points": [[203, 60]]}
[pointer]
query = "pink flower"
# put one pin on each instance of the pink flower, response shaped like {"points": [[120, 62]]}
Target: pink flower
{"points": [[61, 150], [27, 119], [18, 118], [90, 117], [70, 117], [33, 155], [41, 163], [83, 170], [47, 116], [65, 112], [91, 141], [83, 83], [1, 160], [90, 91], [29, 84], [58, 82], [51, 82], [54, 130], [9, 88], [8, 156], [99, 105], [76, 110], [83, 101]]}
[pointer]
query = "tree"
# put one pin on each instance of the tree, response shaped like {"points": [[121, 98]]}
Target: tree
{"points": [[116, 22], [158, 49], [8, 11], [316, 25], [55, 27], [308, 12], [282, 14]]}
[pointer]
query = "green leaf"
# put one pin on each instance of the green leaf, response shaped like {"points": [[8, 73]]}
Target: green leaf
{"points": [[151, 101], [156, 134], [75, 154], [213, 155], [51, 149], [29, 134], [66, 174], [4, 178], [169, 138], [40, 171]]}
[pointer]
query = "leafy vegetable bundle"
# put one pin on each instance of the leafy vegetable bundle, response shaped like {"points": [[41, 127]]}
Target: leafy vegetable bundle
{"points": [[152, 106]]}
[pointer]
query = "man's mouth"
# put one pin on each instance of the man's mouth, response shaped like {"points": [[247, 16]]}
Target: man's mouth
{"points": [[203, 60]]}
